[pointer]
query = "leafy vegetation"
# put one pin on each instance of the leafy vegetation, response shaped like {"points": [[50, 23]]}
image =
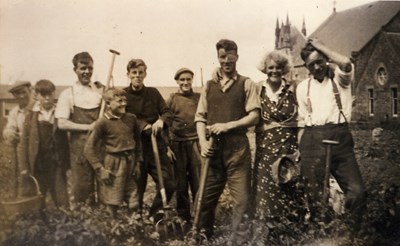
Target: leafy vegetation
{"points": [[379, 163]]}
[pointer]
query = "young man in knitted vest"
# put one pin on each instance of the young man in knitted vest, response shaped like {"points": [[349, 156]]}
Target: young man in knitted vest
{"points": [[228, 106]]}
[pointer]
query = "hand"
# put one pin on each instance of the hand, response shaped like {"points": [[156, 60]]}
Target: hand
{"points": [[206, 149], [91, 125], [147, 130], [171, 154], [218, 128], [157, 127], [297, 156], [106, 176], [137, 170], [11, 137]]}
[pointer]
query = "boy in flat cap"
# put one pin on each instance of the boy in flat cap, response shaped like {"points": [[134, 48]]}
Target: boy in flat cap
{"points": [[154, 117], [77, 110], [184, 141], [228, 106]]}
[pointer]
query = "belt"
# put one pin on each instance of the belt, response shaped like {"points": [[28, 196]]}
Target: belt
{"points": [[125, 153]]}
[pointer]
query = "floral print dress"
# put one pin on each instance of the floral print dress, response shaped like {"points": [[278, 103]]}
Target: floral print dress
{"points": [[271, 199]]}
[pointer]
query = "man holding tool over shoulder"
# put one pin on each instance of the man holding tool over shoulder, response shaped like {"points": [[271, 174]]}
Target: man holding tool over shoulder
{"points": [[325, 104], [228, 106], [77, 110]]}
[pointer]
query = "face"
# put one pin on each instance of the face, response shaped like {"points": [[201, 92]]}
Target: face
{"points": [[23, 96], [118, 105], [274, 72], [227, 59], [46, 101], [136, 76], [84, 72], [185, 81], [317, 65]]}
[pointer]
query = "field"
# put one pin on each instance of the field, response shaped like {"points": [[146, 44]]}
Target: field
{"points": [[379, 163]]}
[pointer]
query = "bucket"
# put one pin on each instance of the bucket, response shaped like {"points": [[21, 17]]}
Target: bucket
{"points": [[25, 204]]}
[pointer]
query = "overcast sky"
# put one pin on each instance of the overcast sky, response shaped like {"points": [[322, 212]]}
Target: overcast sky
{"points": [[38, 38]]}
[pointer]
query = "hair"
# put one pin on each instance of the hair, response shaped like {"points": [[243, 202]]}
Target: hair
{"points": [[227, 44], [135, 63], [280, 58], [307, 50], [83, 57], [112, 93], [44, 87]]}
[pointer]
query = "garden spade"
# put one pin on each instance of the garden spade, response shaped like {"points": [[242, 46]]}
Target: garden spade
{"points": [[195, 236], [170, 225], [325, 194]]}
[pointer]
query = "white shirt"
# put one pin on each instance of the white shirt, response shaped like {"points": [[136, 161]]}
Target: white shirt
{"points": [[79, 95], [44, 115], [323, 103]]}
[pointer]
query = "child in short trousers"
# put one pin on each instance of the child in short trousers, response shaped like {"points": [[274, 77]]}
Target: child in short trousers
{"points": [[118, 171]]}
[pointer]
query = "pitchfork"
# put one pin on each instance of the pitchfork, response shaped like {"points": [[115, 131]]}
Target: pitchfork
{"points": [[170, 222]]}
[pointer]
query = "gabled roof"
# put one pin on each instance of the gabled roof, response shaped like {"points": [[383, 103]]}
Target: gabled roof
{"points": [[352, 29], [394, 39]]}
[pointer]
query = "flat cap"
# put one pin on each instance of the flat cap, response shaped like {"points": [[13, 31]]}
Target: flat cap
{"points": [[181, 71], [18, 85]]}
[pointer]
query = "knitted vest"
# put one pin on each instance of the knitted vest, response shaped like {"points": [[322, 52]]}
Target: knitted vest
{"points": [[226, 106]]}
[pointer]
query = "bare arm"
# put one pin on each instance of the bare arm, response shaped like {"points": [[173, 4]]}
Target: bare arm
{"points": [[250, 119], [68, 125], [342, 61]]}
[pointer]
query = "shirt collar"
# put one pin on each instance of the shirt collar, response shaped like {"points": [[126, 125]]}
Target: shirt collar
{"points": [[110, 116], [218, 76], [37, 108], [267, 88]]}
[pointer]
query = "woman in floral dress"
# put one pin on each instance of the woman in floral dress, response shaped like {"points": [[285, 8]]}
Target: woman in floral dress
{"points": [[276, 134]]}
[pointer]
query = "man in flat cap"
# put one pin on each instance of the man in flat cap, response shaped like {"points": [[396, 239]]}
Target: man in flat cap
{"points": [[184, 141], [21, 90]]}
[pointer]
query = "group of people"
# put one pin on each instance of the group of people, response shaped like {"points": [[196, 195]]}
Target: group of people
{"points": [[115, 148]]}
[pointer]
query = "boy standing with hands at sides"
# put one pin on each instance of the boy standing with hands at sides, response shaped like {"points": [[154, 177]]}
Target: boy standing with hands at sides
{"points": [[184, 141], [120, 135], [44, 147]]}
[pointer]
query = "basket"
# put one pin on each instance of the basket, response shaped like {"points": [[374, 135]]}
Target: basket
{"points": [[24, 205]]}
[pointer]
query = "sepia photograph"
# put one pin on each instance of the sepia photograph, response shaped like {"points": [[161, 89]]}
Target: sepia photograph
{"points": [[225, 122]]}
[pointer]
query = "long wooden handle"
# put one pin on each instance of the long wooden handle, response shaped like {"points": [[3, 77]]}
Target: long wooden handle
{"points": [[202, 185], [328, 144], [159, 171]]}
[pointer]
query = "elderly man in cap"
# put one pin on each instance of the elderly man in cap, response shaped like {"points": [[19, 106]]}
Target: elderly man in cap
{"points": [[184, 140], [21, 90]]}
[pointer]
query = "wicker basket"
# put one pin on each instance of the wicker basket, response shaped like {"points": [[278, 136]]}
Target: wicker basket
{"points": [[24, 205]]}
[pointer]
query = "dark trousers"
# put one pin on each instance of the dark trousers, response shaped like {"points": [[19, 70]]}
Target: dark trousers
{"points": [[231, 165], [187, 173], [149, 167], [51, 178], [343, 167]]}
